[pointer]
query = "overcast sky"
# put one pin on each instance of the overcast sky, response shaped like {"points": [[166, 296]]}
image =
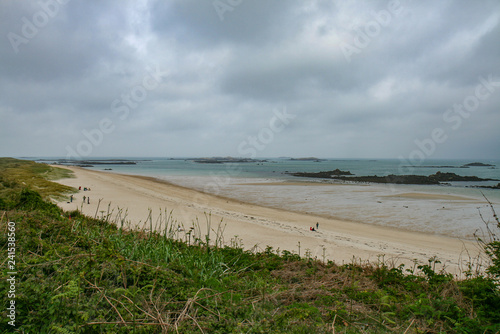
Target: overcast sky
{"points": [[266, 78]]}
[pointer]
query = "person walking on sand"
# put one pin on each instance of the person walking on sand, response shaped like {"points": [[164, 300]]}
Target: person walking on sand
{"points": [[88, 200], [84, 199], [317, 225], [71, 199]]}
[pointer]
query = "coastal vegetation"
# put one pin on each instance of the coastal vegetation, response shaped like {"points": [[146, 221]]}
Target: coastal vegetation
{"points": [[16, 175], [77, 274]]}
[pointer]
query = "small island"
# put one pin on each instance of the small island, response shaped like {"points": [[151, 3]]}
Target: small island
{"points": [[411, 166], [323, 175], [472, 164], [307, 159], [91, 163], [220, 160], [477, 164]]}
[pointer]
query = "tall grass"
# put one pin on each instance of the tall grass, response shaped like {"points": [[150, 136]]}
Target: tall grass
{"points": [[490, 241], [84, 275], [21, 174]]}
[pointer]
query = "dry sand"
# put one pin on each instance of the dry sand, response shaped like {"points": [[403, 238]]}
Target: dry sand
{"points": [[340, 241]]}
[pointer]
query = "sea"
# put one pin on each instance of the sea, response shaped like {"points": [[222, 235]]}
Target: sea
{"points": [[456, 209]]}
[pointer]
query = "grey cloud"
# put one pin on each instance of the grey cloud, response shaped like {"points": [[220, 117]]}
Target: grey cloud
{"points": [[67, 44], [199, 24], [223, 78]]}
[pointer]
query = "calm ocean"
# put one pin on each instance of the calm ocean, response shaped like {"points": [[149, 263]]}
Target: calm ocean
{"points": [[274, 168]]}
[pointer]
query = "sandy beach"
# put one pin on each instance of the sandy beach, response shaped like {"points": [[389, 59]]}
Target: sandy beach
{"points": [[259, 226]]}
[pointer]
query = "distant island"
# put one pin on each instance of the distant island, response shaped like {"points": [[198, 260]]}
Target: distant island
{"points": [[437, 178], [91, 163], [477, 164], [220, 160], [411, 166], [472, 164], [307, 159]]}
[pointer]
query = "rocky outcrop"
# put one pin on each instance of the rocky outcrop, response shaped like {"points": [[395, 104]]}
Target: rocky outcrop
{"points": [[437, 178], [323, 175], [490, 187]]}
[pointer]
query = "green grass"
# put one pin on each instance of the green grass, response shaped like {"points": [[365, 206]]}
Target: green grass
{"points": [[82, 275], [20, 174]]}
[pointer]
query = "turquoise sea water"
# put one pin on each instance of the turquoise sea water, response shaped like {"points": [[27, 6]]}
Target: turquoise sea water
{"points": [[380, 204], [274, 168]]}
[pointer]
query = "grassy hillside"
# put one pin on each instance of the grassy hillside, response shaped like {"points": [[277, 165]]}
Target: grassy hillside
{"points": [[81, 275], [16, 175]]}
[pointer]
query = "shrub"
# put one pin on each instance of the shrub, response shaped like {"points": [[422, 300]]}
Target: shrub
{"points": [[491, 246], [31, 200]]}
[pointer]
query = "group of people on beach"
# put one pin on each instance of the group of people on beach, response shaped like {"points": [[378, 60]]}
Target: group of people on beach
{"points": [[85, 198], [312, 229]]}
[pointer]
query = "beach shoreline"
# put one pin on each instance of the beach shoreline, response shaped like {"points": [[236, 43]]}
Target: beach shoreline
{"points": [[256, 226]]}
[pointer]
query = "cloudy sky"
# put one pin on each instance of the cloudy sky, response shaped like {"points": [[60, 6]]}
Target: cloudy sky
{"points": [[267, 78]]}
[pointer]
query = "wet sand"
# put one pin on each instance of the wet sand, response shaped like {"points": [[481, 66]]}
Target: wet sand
{"points": [[425, 196]]}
